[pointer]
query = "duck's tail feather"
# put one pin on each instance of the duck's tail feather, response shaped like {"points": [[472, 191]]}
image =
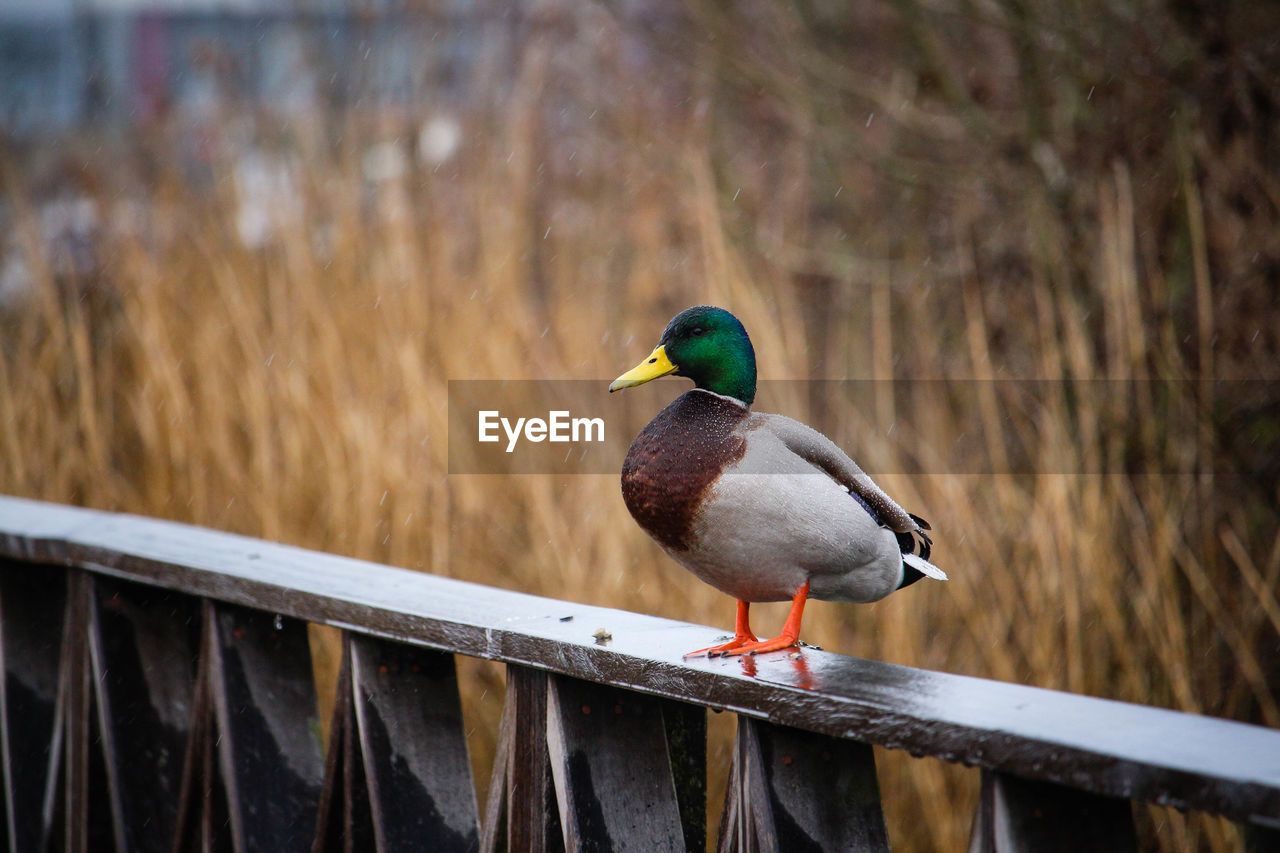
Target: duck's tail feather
{"points": [[923, 566]]}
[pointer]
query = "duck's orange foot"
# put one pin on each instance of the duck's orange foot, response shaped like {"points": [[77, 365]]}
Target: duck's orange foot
{"points": [[789, 637], [778, 643], [742, 635], [728, 648]]}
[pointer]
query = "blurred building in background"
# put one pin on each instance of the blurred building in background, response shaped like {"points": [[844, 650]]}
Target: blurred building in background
{"points": [[219, 80], [67, 62]]}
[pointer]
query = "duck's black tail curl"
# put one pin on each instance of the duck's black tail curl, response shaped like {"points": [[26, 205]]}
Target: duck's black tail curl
{"points": [[914, 542]]}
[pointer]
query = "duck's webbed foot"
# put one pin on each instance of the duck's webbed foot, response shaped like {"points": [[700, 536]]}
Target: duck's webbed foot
{"points": [[778, 643], [733, 647], [790, 635], [742, 636]]}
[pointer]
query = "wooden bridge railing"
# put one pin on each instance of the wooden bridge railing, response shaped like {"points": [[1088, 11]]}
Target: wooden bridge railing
{"points": [[158, 695]]}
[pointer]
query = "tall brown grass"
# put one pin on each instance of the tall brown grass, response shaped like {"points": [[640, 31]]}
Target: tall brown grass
{"points": [[297, 390]]}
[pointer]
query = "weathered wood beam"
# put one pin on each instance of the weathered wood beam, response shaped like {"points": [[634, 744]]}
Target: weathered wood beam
{"points": [[253, 771], [1024, 816], [533, 822], [521, 813], [794, 790], [686, 729], [73, 802], [143, 645], [202, 822], [344, 823], [265, 708], [411, 738], [612, 769], [32, 605]]}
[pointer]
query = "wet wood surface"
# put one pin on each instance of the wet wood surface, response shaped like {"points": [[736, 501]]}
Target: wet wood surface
{"points": [[1095, 745]]}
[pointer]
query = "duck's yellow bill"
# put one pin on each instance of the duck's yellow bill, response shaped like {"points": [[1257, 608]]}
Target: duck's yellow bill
{"points": [[657, 364]]}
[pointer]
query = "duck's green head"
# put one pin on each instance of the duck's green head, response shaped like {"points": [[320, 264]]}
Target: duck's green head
{"points": [[705, 344]]}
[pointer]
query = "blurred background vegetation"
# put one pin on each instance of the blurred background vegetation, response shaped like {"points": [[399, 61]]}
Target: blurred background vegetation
{"points": [[243, 250]]}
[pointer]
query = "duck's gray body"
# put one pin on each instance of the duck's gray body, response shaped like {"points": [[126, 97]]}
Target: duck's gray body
{"points": [[756, 504]]}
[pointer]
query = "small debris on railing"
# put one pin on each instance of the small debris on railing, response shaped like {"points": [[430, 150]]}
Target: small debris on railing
{"points": [[602, 636], [566, 618]]}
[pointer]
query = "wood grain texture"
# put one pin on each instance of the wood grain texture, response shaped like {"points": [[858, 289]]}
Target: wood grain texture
{"points": [[612, 769], [533, 822], [413, 745]]}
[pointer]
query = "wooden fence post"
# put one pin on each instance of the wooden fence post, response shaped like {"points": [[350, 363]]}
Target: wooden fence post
{"points": [[1022, 815], [612, 769], [791, 790], [143, 644], [414, 747], [32, 608], [254, 770], [521, 813]]}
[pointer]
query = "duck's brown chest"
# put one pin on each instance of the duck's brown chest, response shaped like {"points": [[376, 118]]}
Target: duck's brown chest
{"points": [[675, 460]]}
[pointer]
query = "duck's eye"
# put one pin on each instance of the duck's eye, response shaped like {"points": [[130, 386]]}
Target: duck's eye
{"points": [[698, 330]]}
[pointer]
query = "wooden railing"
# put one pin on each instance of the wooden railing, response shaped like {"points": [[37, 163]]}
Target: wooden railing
{"points": [[158, 695]]}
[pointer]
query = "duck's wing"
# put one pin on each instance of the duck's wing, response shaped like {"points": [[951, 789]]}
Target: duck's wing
{"points": [[820, 451]]}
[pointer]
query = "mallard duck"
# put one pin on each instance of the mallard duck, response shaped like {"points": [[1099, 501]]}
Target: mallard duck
{"points": [[760, 506]]}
